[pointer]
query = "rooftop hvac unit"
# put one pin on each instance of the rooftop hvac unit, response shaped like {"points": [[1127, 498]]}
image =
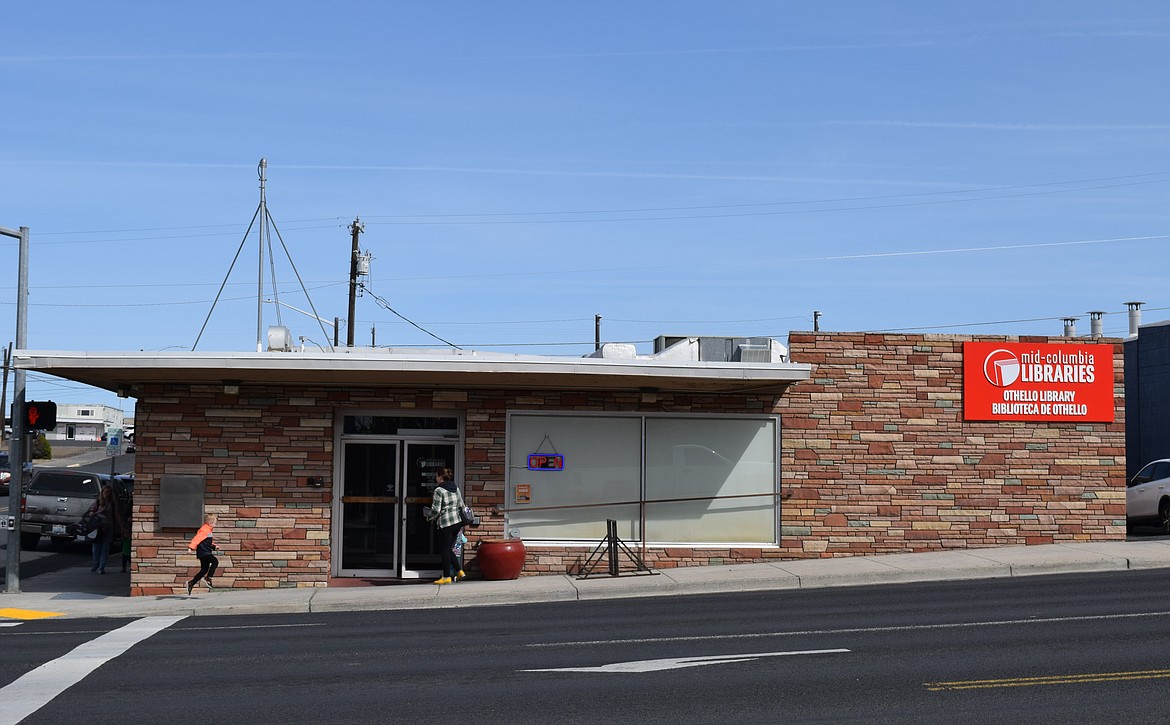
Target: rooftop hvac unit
{"points": [[664, 341], [751, 353], [279, 339], [726, 349]]}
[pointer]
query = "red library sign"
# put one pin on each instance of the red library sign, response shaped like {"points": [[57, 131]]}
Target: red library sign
{"points": [[1041, 382]]}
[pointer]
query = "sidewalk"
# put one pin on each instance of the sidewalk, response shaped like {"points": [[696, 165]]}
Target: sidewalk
{"points": [[75, 592]]}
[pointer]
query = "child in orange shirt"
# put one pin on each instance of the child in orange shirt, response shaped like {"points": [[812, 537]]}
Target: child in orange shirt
{"points": [[204, 547]]}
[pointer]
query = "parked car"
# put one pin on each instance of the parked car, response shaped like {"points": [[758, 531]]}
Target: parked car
{"points": [[6, 473], [1147, 496], [56, 500]]}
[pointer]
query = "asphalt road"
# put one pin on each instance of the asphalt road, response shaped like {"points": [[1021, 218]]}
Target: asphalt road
{"points": [[120, 464], [1052, 649]]}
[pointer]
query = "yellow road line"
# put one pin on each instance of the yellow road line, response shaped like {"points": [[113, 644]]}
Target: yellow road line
{"points": [[27, 614], [1049, 680]]}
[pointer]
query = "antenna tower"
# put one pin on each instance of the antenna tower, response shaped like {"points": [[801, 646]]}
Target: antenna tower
{"points": [[265, 229]]}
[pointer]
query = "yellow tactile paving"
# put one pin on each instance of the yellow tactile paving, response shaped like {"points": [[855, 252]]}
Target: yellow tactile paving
{"points": [[27, 614]]}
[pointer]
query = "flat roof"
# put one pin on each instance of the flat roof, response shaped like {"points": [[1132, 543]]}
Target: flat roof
{"points": [[125, 372]]}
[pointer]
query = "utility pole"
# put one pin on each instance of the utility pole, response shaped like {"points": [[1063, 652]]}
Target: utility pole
{"points": [[17, 444], [597, 332], [356, 228]]}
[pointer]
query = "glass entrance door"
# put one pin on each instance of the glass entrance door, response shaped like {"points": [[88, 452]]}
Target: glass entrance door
{"points": [[384, 486], [421, 462], [370, 501]]}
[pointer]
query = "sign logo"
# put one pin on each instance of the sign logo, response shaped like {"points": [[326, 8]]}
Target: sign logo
{"points": [[1001, 368]]}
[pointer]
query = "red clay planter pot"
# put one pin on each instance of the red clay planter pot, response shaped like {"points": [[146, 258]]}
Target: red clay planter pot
{"points": [[501, 558]]}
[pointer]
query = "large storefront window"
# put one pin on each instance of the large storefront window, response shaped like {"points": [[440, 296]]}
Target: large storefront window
{"points": [[601, 478], [710, 480], [687, 479]]}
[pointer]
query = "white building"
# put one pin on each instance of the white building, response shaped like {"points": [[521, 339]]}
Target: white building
{"points": [[85, 422]]}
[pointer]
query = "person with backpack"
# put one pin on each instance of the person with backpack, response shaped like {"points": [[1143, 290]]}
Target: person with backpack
{"points": [[203, 546]]}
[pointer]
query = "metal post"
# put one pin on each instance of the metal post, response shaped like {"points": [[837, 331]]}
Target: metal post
{"points": [[597, 332], [260, 265], [16, 449], [612, 539]]}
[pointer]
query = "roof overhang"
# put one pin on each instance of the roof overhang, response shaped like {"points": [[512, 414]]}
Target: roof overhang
{"points": [[125, 373]]}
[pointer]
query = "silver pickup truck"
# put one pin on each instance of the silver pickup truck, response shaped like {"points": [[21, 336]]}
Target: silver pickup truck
{"points": [[57, 498]]}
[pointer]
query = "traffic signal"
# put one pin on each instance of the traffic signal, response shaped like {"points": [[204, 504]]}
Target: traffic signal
{"points": [[40, 415]]}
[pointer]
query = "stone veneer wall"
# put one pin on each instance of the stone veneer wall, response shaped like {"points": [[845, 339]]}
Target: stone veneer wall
{"points": [[257, 449], [875, 458]]}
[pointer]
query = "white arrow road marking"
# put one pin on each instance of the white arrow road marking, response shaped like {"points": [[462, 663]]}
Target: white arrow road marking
{"points": [[33, 690], [675, 663]]}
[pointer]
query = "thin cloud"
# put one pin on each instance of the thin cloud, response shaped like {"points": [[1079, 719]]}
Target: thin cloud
{"points": [[486, 170], [710, 51], [137, 58], [1110, 34], [967, 250], [1007, 126]]}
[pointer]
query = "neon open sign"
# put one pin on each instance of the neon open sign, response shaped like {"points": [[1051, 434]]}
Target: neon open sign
{"points": [[546, 462]]}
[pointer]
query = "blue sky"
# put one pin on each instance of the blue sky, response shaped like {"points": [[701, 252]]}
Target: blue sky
{"points": [[716, 168]]}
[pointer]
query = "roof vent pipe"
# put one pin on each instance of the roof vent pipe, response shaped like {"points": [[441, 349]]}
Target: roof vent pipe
{"points": [[1070, 327], [1096, 324], [1135, 317]]}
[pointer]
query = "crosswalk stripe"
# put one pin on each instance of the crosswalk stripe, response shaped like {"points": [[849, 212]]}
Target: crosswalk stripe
{"points": [[35, 689]]}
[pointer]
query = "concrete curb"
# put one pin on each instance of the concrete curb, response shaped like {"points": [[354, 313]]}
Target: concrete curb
{"points": [[957, 565]]}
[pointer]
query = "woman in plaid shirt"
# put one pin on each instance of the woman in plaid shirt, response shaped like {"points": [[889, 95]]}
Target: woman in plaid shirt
{"points": [[447, 515]]}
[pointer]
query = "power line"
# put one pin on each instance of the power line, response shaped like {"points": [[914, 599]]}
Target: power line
{"points": [[1007, 322], [386, 305], [157, 238], [783, 203], [178, 228], [825, 258], [681, 323], [486, 216], [773, 213]]}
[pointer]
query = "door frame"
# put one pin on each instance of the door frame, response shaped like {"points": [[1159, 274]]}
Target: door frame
{"points": [[401, 439]]}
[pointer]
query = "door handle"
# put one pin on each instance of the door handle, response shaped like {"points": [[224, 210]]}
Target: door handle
{"points": [[369, 499]]}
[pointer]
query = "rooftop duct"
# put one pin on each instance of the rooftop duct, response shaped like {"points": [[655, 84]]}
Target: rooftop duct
{"points": [[1135, 317], [1096, 324]]}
